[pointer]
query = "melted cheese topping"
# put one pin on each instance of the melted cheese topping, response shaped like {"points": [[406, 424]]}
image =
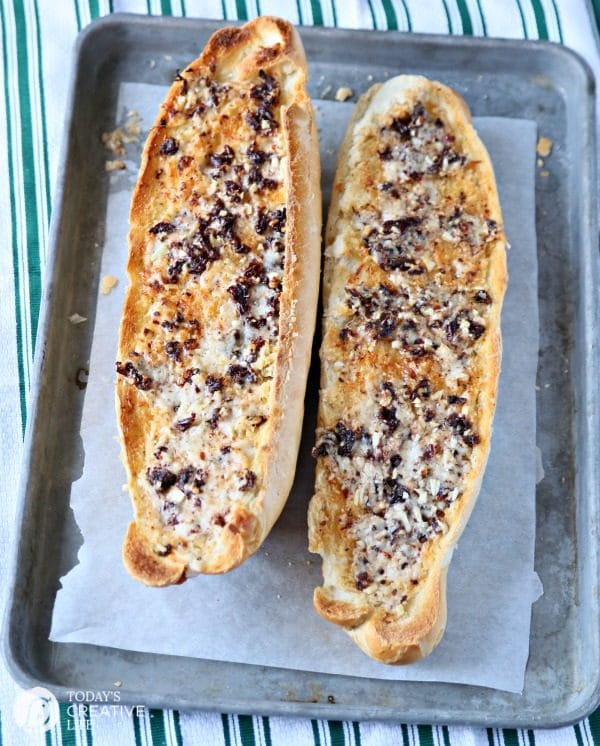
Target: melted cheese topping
{"points": [[407, 305], [205, 351]]}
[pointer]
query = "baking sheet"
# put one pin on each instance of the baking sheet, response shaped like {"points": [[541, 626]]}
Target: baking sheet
{"points": [[262, 612]]}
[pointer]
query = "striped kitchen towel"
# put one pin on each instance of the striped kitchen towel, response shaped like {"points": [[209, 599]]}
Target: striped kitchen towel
{"points": [[36, 40]]}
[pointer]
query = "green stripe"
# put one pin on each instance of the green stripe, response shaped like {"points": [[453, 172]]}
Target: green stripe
{"points": [[29, 175], [425, 735], [596, 7], [405, 737], [558, 23], [317, 13], [148, 8], [43, 108], [94, 9], [176, 723], [67, 725], [407, 13], [522, 19], [224, 10], [483, 24], [465, 17], [334, 13], [241, 10], [267, 731], [372, 12], [446, 735], [12, 165], [336, 733], [390, 15], [490, 736], [510, 736], [299, 9], [578, 736], [594, 721], [540, 19], [137, 730], [226, 730], [77, 16], [356, 731], [448, 19], [315, 730], [165, 8], [157, 728], [246, 726]]}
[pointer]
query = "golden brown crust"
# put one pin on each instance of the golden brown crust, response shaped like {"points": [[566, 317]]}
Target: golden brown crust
{"points": [[154, 552], [385, 629]]}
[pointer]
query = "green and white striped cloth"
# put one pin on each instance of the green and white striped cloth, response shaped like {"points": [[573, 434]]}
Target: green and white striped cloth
{"points": [[36, 43]]}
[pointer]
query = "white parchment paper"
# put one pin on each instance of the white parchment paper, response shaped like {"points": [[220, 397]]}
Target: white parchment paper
{"points": [[262, 612]]}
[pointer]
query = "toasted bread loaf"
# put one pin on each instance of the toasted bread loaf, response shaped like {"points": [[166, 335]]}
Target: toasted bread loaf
{"points": [[415, 273], [215, 339]]}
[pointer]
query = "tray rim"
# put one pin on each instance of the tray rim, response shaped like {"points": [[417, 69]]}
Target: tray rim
{"points": [[291, 708]]}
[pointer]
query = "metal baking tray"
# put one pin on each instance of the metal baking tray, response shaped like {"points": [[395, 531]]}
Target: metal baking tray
{"points": [[543, 82]]}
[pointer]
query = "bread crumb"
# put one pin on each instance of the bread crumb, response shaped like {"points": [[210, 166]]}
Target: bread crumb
{"points": [[539, 163], [115, 140], [76, 318], [326, 91], [343, 93], [544, 147], [369, 78], [117, 165], [545, 174], [117, 683], [107, 283]]}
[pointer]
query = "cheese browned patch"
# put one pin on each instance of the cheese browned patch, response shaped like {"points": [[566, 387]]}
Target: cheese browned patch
{"points": [[218, 320], [414, 281]]}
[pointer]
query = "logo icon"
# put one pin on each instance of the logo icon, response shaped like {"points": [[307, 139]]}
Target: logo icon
{"points": [[36, 709]]}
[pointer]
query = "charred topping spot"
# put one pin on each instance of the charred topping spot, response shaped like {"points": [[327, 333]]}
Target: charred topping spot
{"points": [[346, 438], [184, 83], [267, 91], [463, 427], [255, 155], [248, 481], [274, 220], [452, 399], [219, 520], [173, 350], [234, 191], [185, 423], [240, 295], [362, 581], [129, 370], [189, 373], [190, 476], [170, 146], [164, 551], [225, 158], [388, 416], [214, 384], [160, 478], [422, 390], [214, 418], [162, 228], [241, 374], [481, 296]]}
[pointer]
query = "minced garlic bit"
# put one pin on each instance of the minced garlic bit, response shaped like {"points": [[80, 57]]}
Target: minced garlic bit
{"points": [[76, 318], [117, 165], [343, 93], [544, 147], [107, 283]]}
